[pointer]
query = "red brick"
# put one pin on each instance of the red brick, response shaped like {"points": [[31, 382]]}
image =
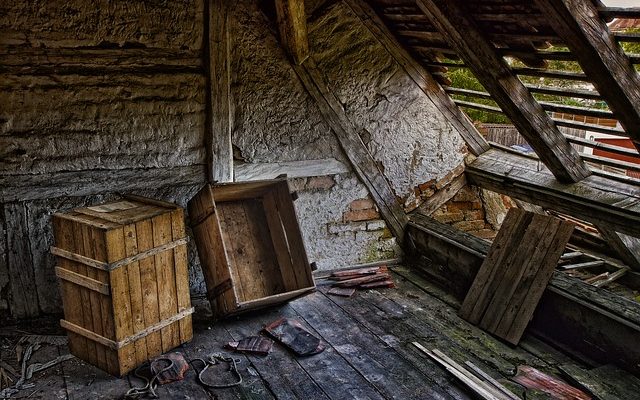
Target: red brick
{"points": [[361, 204], [476, 205], [448, 178], [449, 217], [360, 215], [427, 185], [469, 225]]}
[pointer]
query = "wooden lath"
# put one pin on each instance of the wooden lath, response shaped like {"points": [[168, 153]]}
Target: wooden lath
{"points": [[602, 59]]}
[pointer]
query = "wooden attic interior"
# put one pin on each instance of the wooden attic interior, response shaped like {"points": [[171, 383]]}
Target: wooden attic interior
{"points": [[515, 50]]}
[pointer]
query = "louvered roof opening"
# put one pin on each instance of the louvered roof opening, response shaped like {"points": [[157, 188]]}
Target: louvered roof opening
{"points": [[523, 36]]}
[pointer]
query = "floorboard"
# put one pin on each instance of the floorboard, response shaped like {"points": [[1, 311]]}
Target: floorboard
{"points": [[368, 352]]}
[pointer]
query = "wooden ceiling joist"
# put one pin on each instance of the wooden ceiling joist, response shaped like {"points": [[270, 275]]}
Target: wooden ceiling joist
{"points": [[601, 58], [531, 120]]}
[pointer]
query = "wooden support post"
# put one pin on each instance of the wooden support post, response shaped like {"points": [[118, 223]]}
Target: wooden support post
{"points": [[479, 54], [292, 23], [363, 163], [600, 56], [218, 126], [474, 140]]}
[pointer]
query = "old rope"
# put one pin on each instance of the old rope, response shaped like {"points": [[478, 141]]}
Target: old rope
{"points": [[214, 359], [149, 388]]}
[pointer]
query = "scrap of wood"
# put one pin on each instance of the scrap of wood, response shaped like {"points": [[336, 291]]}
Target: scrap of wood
{"points": [[339, 275], [362, 280], [344, 292], [479, 387], [611, 277]]}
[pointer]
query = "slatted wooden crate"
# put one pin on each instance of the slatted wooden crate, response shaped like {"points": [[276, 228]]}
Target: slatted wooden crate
{"points": [[250, 245], [123, 275]]}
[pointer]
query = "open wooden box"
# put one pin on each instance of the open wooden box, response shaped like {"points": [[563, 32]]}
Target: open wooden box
{"points": [[250, 245]]}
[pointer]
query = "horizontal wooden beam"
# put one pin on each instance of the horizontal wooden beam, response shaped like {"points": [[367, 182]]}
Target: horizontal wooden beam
{"points": [[89, 182], [292, 169], [595, 199], [492, 71]]}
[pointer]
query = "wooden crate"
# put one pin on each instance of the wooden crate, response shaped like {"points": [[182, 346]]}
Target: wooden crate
{"points": [[123, 276], [250, 245]]}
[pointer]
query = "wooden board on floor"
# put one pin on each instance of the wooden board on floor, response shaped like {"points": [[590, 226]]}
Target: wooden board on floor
{"points": [[515, 273]]}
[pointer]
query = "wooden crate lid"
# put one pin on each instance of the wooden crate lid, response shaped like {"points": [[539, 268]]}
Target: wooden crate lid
{"points": [[114, 214]]}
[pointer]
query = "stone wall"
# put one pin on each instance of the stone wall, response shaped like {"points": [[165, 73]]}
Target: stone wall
{"points": [[93, 100], [97, 100]]}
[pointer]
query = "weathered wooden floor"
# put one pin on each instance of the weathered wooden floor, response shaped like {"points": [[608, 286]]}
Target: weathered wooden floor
{"points": [[369, 355]]}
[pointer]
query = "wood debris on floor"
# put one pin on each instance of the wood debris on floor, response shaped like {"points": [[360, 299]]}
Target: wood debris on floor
{"points": [[347, 281], [368, 353], [515, 273]]}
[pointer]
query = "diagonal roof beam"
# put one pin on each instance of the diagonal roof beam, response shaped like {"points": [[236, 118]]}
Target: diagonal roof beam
{"points": [[600, 56], [506, 88]]}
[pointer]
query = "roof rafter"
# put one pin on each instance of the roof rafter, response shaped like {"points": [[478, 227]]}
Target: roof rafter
{"points": [[508, 91], [600, 56]]}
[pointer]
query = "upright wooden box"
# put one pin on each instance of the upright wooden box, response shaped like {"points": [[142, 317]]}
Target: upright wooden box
{"points": [[250, 245], [123, 276]]}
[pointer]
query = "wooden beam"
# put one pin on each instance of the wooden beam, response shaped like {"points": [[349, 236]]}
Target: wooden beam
{"points": [[218, 127], [292, 169], [27, 187], [600, 56], [571, 311], [474, 140], [292, 23], [356, 151], [595, 199], [627, 247], [507, 90]]}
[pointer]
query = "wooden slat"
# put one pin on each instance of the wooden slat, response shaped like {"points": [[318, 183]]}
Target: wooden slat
{"points": [[355, 150], [82, 280], [212, 251], [292, 169], [553, 74], [596, 199], [218, 62], [623, 151], [292, 24], [183, 294], [144, 231], [589, 127], [476, 143], [619, 12], [85, 295], [135, 291], [627, 247], [601, 58], [165, 278], [89, 235], [279, 239], [508, 91], [63, 232]]}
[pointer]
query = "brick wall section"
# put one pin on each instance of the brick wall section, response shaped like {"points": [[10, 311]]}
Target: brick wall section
{"points": [[425, 190], [465, 211]]}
